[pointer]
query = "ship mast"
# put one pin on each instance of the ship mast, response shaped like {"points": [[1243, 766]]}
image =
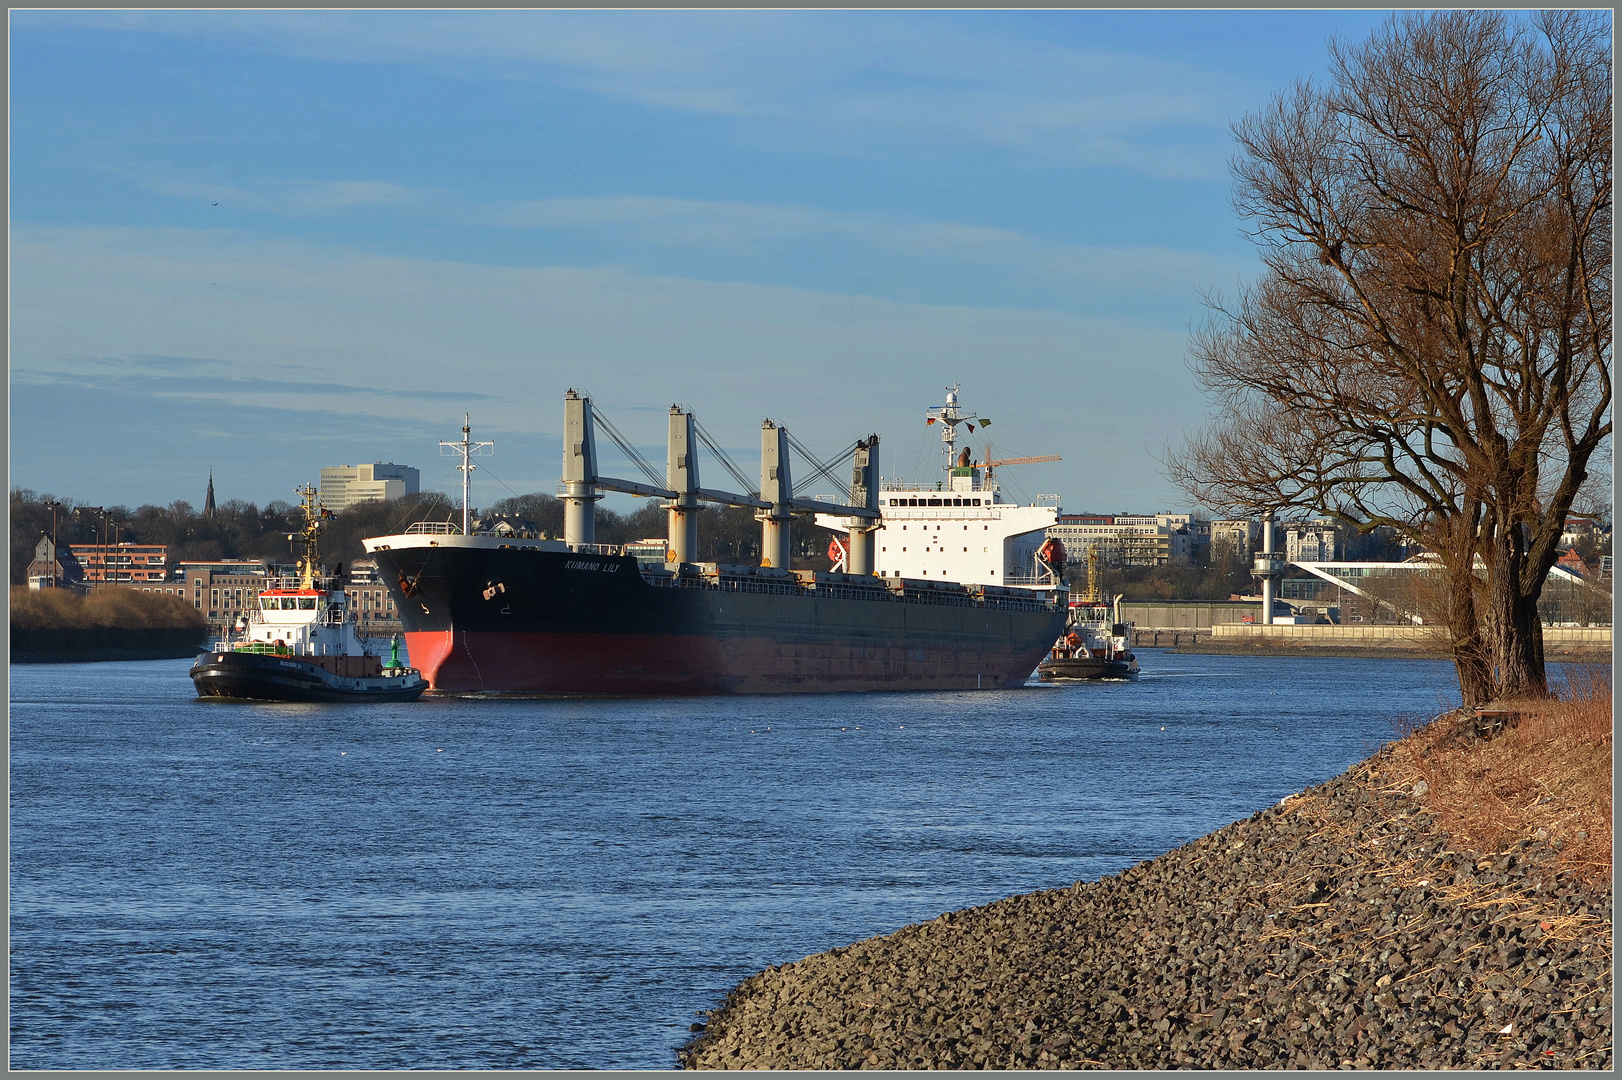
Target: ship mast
{"points": [[309, 561], [468, 450], [949, 418]]}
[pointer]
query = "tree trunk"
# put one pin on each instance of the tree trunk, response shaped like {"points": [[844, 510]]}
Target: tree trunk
{"points": [[1514, 626], [1520, 651], [1470, 653]]}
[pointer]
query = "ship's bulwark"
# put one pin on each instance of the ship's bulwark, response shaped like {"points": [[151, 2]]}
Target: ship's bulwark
{"points": [[526, 621]]}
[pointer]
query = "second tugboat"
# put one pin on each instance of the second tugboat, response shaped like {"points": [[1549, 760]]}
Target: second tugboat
{"points": [[301, 643], [1096, 644]]}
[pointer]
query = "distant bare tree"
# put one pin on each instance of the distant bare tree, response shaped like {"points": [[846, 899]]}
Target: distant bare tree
{"points": [[1430, 345]]}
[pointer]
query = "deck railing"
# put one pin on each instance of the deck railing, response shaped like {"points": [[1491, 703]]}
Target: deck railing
{"points": [[844, 591]]}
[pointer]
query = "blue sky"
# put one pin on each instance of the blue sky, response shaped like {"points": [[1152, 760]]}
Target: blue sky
{"points": [[264, 242]]}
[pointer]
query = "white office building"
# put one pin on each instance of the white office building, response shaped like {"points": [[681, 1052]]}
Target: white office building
{"points": [[343, 486]]}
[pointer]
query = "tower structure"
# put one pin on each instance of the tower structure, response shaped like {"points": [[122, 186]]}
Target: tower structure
{"points": [[208, 500]]}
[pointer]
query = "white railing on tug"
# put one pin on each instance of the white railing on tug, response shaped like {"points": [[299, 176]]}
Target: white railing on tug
{"points": [[284, 583], [433, 528]]}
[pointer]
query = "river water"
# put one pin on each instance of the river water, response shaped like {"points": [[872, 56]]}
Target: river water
{"points": [[565, 883]]}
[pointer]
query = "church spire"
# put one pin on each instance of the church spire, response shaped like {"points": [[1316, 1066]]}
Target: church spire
{"points": [[208, 500]]}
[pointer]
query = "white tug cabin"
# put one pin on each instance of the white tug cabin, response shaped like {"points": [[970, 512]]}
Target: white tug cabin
{"points": [[959, 528], [305, 615], [293, 621]]}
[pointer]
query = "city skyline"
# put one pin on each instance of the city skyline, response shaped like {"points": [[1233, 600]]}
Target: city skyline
{"points": [[268, 242]]}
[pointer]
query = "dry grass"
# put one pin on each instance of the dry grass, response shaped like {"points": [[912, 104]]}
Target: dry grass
{"points": [[1546, 775], [49, 609]]}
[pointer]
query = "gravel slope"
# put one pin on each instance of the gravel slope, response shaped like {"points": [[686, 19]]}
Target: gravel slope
{"points": [[1336, 929]]}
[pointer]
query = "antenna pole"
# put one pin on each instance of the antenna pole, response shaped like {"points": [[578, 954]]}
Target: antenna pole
{"points": [[468, 449]]}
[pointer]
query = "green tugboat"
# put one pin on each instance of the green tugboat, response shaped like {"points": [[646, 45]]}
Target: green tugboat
{"points": [[301, 642]]}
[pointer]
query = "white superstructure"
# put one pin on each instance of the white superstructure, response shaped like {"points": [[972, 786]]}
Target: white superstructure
{"points": [[307, 615], [959, 528]]}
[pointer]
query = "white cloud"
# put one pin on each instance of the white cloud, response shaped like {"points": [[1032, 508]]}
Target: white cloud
{"points": [[1058, 271], [296, 327], [832, 82]]}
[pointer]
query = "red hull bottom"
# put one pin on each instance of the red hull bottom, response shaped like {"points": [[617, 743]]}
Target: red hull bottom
{"points": [[646, 665]]}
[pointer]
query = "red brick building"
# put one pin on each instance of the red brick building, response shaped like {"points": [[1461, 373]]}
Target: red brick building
{"points": [[124, 563]]}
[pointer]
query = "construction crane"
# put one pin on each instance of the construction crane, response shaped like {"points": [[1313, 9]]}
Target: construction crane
{"points": [[964, 461], [1019, 461]]}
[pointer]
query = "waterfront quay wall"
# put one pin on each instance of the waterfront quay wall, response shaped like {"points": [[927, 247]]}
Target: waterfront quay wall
{"points": [[1195, 615], [1340, 928], [1558, 641]]}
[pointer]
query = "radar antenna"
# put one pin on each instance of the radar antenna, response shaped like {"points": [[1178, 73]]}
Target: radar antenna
{"points": [[949, 417]]}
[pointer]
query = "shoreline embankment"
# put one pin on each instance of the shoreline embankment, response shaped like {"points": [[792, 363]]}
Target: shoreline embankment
{"points": [[1340, 928], [94, 644], [56, 626]]}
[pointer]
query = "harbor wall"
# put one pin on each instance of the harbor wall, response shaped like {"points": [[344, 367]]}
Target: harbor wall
{"points": [[1371, 636], [1285, 639], [1187, 614]]}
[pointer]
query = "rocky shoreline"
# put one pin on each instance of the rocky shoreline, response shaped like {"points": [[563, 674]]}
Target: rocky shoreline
{"points": [[1337, 929]]}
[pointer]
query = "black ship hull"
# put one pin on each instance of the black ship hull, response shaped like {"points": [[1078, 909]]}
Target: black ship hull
{"points": [[263, 677], [1071, 668], [519, 619]]}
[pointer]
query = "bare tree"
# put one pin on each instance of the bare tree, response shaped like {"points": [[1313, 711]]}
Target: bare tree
{"points": [[1429, 347]]}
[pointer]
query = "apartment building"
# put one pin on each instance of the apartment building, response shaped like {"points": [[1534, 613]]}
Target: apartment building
{"points": [[122, 563], [1126, 539], [369, 599], [222, 591], [1238, 537], [1318, 540]]}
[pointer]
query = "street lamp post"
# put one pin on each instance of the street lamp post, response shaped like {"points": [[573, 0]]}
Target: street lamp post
{"points": [[54, 556], [101, 569]]}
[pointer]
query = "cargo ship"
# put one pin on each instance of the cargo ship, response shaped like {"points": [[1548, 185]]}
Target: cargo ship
{"points": [[516, 612]]}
